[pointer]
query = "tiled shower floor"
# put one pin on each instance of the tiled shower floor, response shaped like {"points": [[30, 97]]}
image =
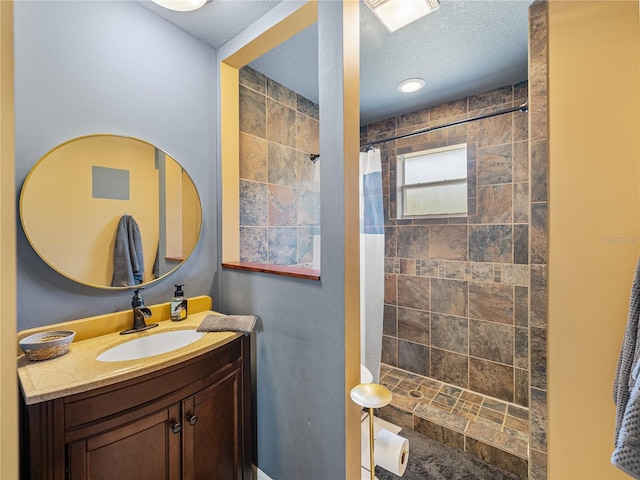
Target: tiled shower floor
{"points": [[488, 428]]}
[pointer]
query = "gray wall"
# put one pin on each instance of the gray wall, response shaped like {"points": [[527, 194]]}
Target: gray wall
{"points": [[300, 340], [111, 67]]}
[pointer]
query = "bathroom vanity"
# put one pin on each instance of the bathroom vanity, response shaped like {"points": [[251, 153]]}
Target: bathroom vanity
{"points": [[185, 414]]}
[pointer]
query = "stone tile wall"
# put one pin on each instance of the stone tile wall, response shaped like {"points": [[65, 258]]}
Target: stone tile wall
{"points": [[279, 188], [457, 289], [538, 148], [466, 299]]}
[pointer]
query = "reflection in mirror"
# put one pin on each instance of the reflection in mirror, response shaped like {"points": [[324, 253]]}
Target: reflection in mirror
{"points": [[279, 167], [110, 211]]}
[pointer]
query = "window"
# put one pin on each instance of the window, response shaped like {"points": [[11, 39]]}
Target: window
{"points": [[433, 183]]}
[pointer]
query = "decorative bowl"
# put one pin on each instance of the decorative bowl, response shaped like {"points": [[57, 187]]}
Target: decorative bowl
{"points": [[46, 345]]}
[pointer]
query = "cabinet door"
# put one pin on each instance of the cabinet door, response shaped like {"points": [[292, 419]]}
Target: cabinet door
{"points": [[211, 433], [147, 449]]}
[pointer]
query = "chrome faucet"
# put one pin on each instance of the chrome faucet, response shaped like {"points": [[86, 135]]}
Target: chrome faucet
{"points": [[140, 312]]}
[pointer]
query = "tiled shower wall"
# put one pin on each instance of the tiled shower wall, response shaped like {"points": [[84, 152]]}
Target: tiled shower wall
{"points": [[457, 289], [466, 298], [538, 147], [279, 184]]}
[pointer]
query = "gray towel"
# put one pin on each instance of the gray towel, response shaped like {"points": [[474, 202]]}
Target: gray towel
{"points": [[626, 390], [128, 261], [626, 455], [228, 323]]}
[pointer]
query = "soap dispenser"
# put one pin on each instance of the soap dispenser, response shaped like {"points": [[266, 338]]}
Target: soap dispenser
{"points": [[178, 304]]}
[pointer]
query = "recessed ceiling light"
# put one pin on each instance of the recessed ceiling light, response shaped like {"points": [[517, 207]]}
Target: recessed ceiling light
{"points": [[411, 85], [395, 14], [181, 5]]}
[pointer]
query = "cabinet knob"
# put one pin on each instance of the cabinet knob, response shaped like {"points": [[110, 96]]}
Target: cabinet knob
{"points": [[176, 427], [192, 419]]}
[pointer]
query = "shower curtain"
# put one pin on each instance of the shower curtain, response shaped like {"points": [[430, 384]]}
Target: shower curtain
{"points": [[371, 261]]}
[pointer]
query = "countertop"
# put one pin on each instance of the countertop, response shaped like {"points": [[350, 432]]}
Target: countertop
{"points": [[78, 370]]}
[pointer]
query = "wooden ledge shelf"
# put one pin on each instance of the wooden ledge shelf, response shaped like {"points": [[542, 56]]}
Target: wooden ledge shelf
{"points": [[296, 272]]}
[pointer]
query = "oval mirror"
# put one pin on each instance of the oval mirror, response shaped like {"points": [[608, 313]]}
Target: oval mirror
{"points": [[110, 211]]}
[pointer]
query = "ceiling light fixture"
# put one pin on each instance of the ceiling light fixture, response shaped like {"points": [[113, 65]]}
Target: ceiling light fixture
{"points": [[411, 85], [395, 14], [181, 5]]}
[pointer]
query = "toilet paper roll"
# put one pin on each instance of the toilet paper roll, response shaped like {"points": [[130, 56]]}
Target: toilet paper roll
{"points": [[391, 452]]}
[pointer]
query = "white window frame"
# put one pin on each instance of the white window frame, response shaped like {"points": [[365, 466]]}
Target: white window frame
{"points": [[402, 186]]}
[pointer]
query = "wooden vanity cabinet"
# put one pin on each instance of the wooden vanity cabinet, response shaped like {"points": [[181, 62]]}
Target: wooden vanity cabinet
{"points": [[188, 421]]}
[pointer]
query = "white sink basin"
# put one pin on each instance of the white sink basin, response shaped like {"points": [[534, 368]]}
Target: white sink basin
{"points": [[150, 345]]}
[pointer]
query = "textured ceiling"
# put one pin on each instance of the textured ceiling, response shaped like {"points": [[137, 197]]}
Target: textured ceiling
{"points": [[218, 21], [463, 48]]}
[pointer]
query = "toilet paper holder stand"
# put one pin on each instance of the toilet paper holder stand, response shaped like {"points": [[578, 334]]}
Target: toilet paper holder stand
{"points": [[370, 396]]}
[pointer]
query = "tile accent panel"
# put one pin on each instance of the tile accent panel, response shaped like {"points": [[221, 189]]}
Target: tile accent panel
{"points": [[279, 189]]}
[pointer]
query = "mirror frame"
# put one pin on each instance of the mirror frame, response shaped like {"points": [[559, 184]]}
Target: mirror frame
{"points": [[198, 202]]}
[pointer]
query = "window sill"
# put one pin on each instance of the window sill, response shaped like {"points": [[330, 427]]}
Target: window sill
{"points": [[296, 272]]}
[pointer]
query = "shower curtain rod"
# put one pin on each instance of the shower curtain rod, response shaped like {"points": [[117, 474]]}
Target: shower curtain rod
{"points": [[522, 108]]}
